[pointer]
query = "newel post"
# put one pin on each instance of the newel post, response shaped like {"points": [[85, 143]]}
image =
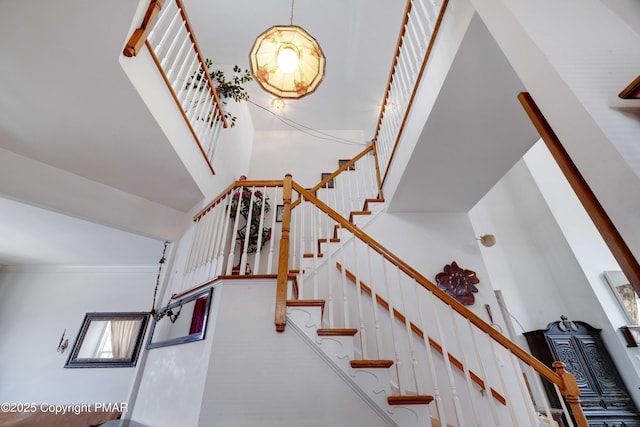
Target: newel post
{"points": [[139, 36], [377, 163], [283, 258], [571, 392]]}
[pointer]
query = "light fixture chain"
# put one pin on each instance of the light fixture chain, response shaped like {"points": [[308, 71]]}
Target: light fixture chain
{"points": [[291, 18]]}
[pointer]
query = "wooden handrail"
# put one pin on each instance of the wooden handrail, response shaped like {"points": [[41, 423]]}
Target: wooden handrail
{"points": [[396, 57], [520, 353], [222, 277], [427, 55], [179, 104], [377, 163], [229, 189], [434, 344], [283, 258], [607, 229], [632, 91], [139, 36], [203, 63], [338, 171]]}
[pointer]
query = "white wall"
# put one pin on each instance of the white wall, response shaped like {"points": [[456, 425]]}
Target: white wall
{"points": [[37, 304], [244, 373], [574, 57], [258, 376], [549, 259], [432, 240], [276, 153]]}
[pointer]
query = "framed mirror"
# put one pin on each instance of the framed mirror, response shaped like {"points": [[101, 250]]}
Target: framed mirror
{"points": [[625, 294], [108, 340], [182, 321]]}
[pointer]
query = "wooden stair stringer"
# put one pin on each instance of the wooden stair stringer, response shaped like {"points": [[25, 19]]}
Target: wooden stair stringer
{"points": [[336, 345], [416, 330]]}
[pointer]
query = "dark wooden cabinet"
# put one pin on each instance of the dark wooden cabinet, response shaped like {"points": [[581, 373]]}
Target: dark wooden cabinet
{"points": [[604, 397]]}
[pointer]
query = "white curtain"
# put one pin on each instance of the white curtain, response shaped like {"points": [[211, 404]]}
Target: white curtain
{"points": [[123, 336]]}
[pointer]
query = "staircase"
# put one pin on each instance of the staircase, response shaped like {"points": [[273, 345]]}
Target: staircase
{"points": [[372, 377], [413, 352]]}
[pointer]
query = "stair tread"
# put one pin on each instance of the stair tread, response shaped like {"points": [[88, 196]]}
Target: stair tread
{"points": [[337, 331], [312, 302], [373, 363], [307, 303], [311, 255], [409, 400]]}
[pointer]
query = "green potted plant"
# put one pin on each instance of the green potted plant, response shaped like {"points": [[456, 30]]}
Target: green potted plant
{"points": [[226, 89], [250, 229]]}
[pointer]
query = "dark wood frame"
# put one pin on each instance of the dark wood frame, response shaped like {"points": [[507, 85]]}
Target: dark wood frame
{"points": [[330, 183], [342, 162], [74, 362], [279, 213], [632, 335]]}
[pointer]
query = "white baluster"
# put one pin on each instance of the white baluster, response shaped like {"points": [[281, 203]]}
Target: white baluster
{"points": [[198, 249], [345, 297], [211, 257], [189, 262], [565, 411], [314, 250], [247, 232], [173, 44], [188, 86], [178, 82], [374, 302], [442, 416], [392, 322], [483, 371], [536, 380], [499, 366], [330, 266], [407, 323], [234, 235], [445, 352], [226, 218], [178, 57], [363, 340], [165, 35], [467, 375], [164, 12], [303, 208], [273, 228], [256, 264], [524, 392], [294, 223]]}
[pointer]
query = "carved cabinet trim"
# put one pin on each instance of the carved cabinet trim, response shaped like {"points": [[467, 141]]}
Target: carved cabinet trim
{"points": [[603, 395]]}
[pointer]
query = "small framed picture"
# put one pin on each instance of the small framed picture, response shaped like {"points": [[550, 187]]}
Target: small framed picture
{"points": [[343, 162], [632, 335], [279, 213], [328, 184]]}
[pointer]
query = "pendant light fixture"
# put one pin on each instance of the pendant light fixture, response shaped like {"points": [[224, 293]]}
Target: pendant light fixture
{"points": [[286, 61]]}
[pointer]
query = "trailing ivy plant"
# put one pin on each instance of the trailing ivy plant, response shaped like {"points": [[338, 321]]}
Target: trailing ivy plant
{"points": [[226, 89]]}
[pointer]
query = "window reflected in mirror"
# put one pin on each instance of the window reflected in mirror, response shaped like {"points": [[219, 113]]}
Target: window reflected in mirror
{"points": [[182, 321], [108, 340], [625, 294]]}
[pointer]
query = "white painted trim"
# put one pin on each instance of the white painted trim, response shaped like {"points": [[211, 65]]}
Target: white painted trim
{"points": [[343, 375], [80, 269]]}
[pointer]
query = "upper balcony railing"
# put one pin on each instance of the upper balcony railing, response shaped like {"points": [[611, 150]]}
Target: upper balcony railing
{"points": [[418, 32], [167, 33]]}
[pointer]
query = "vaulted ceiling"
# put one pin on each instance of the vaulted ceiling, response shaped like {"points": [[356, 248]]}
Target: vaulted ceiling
{"points": [[73, 128], [76, 138]]}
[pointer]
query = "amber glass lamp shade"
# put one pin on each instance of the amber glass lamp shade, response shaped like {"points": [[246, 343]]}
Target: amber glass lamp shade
{"points": [[287, 62]]}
